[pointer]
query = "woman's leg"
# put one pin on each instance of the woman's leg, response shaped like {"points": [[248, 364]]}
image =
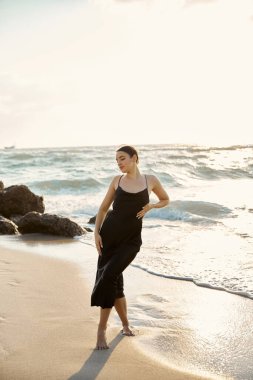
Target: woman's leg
{"points": [[101, 336], [121, 308], [105, 293]]}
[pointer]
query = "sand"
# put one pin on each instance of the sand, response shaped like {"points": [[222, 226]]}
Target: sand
{"points": [[48, 329]]}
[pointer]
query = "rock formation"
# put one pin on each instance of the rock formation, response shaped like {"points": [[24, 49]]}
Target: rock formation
{"points": [[7, 227], [26, 211], [19, 200], [49, 224]]}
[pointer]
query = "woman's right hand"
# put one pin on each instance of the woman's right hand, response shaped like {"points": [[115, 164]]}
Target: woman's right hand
{"points": [[99, 243]]}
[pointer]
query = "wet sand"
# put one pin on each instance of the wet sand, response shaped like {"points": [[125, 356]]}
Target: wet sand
{"points": [[48, 329]]}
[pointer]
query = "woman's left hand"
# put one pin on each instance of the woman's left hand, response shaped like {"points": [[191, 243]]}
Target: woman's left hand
{"points": [[144, 210]]}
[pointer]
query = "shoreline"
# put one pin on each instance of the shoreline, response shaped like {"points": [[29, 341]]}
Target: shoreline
{"points": [[32, 241], [48, 329], [201, 285], [189, 331]]}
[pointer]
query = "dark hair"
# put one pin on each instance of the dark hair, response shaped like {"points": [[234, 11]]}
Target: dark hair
{"points": [[129, 150]]}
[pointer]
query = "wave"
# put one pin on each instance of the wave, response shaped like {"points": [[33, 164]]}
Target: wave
{"points": [[166, 177], [205, 172], [191, 148], [175, 165], [191, 279], [218, 148], [207, 209], [20, 156], [56, 186], [46, 157], [191, 211]]}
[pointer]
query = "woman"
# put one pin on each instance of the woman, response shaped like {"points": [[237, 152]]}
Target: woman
{"points": [[118, 236]]}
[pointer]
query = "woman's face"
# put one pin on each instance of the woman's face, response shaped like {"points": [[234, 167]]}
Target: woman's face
{"points": [[124, 161]]}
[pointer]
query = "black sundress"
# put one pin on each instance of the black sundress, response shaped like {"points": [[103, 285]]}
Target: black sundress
{"points": [[121, 237]]}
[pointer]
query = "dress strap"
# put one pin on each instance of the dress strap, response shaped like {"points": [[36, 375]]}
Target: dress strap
{"points": [[120, 179], [146, 181]]}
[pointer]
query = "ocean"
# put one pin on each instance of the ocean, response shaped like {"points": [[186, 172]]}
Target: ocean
{"points": [[203, 239], [205, 235]]}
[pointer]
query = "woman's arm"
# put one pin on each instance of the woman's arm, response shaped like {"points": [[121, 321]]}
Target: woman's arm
{"points": [[102, 211], [155, 186], [159, 191]]}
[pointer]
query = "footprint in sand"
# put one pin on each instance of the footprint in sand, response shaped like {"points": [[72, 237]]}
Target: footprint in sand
{"points": [[14, 282], [2, 319], [4, 261]]}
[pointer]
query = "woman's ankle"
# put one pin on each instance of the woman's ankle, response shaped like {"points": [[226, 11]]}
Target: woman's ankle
{"points": [[102, 327]]}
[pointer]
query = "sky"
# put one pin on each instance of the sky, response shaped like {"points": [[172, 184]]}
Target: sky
{"points": [[110, 72]]}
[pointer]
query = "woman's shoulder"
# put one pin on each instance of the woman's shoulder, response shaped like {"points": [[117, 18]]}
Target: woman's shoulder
{"points": [[151, 178], [117, 177], [152, 181], [115, 180]]}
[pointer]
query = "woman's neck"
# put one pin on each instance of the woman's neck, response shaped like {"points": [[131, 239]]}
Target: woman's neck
{"points": [[133, 174]]}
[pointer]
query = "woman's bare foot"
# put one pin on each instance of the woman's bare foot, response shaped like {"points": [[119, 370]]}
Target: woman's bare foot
{"points": [[127, 331], [101, 340]]}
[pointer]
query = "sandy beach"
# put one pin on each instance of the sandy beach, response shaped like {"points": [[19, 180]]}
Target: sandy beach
{"points": [[48, 329]]}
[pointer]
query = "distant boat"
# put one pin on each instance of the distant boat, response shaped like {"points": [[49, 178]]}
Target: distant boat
{"points": [[10, 147]]}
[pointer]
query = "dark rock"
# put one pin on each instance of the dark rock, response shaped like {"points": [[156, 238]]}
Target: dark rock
{"points": [[18, 199], [49, 224], [1, 186], [88, 229], [92, 220], [7, 227], [16, 218]]}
